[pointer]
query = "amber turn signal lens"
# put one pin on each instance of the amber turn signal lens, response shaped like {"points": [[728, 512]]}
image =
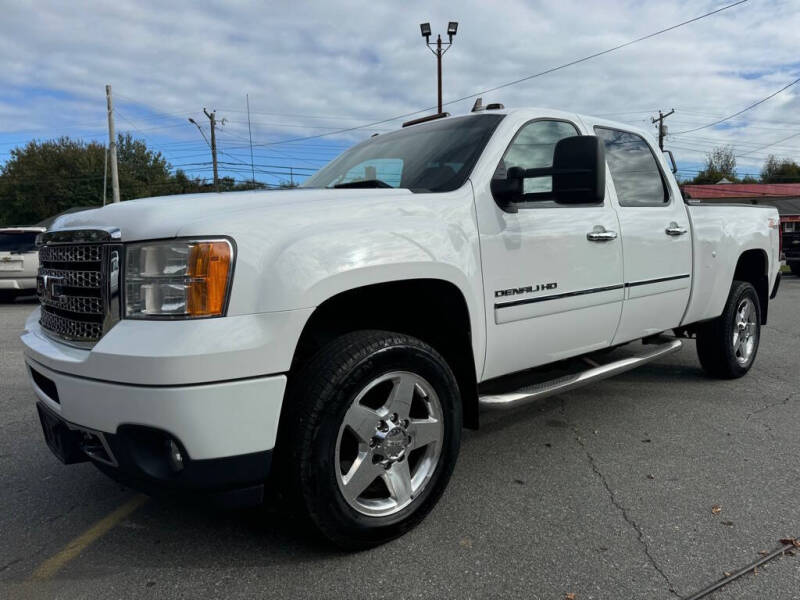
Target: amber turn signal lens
{"points": [[208, 271]]}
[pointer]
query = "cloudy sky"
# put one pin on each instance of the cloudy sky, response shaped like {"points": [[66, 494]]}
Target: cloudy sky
{"points": [[313, 68]]}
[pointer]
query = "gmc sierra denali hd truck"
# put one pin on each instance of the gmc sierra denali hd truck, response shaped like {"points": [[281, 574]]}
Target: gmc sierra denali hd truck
{"points": [[330, 342]]}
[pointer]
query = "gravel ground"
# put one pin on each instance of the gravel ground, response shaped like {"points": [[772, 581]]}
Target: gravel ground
{"points": [[605, 492]]}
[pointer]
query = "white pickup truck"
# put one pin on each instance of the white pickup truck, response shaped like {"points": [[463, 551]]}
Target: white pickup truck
{"points": [[331, 342]]}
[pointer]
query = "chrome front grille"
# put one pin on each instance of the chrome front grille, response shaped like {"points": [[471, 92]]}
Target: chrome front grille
{"points": [[71, 329], [78, 279], [77, 304], [78, 285], [71, 253]]}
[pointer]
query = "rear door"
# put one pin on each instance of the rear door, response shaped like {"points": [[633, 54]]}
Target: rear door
{"points": [[656, 241]]}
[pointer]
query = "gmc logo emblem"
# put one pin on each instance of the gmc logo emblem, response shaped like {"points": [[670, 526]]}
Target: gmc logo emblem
{"points": [[50, 288]]}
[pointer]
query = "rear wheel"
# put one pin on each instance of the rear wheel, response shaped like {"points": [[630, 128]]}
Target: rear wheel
{"points": [[373, 434], [727, 346]]}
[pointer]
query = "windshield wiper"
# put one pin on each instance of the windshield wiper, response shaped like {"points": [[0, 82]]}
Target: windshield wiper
{"points": [[364, 183]]}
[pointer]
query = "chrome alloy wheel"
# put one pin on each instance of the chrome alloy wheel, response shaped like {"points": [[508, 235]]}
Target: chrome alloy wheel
{"points": [[389, 443], [744, 331]]}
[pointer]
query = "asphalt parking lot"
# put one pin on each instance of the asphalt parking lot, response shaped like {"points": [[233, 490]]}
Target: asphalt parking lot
{"points": [[605, 492]]}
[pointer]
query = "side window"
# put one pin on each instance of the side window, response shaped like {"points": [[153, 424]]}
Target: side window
{"points": [[533, 148], [634, 169]]}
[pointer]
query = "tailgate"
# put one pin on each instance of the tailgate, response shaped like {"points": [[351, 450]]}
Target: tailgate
{"points": [[11, 263]]}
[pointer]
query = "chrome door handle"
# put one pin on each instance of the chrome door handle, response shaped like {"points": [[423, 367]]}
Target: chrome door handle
{"points": [[601, 234], [675, 229]]}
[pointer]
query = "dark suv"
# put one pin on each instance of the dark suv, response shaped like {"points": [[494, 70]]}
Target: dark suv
{"points": [[791, 244]]}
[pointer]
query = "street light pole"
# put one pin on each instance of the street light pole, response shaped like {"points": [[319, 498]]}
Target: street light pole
{"points": [[438, 50], [439, 71]]}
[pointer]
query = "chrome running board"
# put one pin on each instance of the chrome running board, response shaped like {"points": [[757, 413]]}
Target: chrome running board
{"points": [[537, 391]]}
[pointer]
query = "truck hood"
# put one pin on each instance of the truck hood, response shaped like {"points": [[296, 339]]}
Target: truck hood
{"points": [[297, 248], [167, 216]]}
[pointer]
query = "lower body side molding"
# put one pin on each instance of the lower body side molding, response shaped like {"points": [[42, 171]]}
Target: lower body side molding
{"points": [[529, 393]]}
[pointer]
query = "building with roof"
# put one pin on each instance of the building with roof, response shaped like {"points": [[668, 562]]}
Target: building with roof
{"points": [[783, 196]]}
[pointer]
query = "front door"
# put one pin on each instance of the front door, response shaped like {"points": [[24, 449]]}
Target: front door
{"points": [[552, 273]]}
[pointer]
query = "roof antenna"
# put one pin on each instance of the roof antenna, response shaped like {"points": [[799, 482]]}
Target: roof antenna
{"points": [[478, 106]]}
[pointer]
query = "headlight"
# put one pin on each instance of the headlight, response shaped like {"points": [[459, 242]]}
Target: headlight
{"points": [[178, 279]]}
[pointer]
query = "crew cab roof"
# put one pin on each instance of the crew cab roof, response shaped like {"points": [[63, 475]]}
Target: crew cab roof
{"points": [[535, 112]]}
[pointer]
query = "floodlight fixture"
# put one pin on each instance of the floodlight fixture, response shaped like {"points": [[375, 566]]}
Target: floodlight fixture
{"points": [[452, 27]]}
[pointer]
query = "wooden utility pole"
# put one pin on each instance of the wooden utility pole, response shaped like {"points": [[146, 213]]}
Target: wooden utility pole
{"points": [[212, 117], [105, 174], [662, 129], [112, 147]]}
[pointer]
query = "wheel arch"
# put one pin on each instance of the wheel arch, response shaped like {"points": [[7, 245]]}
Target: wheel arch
{"points": [[753, 267], [433, 310]]}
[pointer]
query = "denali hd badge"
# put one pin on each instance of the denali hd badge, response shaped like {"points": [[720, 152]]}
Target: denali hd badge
{"points": [[528, 289]]}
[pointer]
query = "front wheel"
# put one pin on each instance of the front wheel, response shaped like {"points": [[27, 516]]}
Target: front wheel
{"points": [[727, 346], [374, 433]]}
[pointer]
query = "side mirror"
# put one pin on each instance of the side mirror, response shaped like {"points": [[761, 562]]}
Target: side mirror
{"points": [[578, 174], [672, 160], [579, 170], [509, 190]]}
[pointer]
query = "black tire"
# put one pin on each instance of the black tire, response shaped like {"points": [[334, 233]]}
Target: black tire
{"points": [[318, 399], [715, 339], [795, 267]]}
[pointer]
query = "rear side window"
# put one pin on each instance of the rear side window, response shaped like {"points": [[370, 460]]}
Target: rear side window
{"points": [[18, 242], [634, 169]]}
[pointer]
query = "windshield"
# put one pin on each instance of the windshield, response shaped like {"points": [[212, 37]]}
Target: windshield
{"points": [[18, 242], [430, 157]]}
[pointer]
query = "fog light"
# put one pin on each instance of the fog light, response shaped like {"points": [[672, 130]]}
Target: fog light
{"points": [[175, 456]]}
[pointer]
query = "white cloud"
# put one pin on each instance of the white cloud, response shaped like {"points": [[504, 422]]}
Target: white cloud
{"points": [[356, 62]]}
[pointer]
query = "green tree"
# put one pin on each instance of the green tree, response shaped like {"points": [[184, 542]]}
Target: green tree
{"points": [[720, 163], [44, 178], [781, 170], [142, 172]]}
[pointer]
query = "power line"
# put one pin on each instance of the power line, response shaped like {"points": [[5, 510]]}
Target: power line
{"points": [[601, 53], [517, 81], [268, 166], [736, 114], [794, 135]]}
